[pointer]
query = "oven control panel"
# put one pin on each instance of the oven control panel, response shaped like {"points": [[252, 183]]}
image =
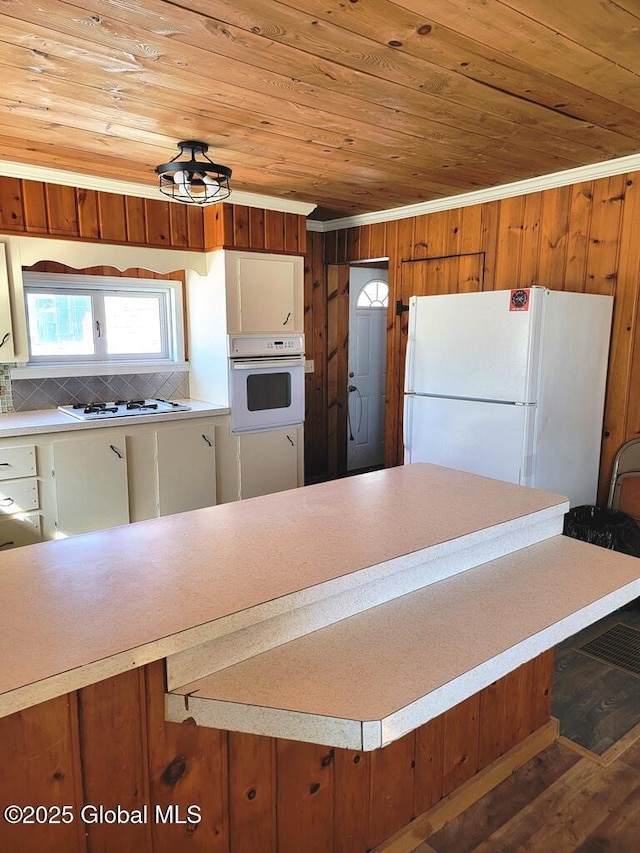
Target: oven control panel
{"points": [[265, 345], [281, 346]]}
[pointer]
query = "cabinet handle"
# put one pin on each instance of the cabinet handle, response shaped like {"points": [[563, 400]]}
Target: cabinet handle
{"points": [[7, 501], [5, 544], [5, 464], [286, 319], [116, 451], [207, 439], [2, 343], [291, 442]]}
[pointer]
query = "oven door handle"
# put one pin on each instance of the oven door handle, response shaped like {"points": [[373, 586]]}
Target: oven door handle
{"points": [[266, 363]]}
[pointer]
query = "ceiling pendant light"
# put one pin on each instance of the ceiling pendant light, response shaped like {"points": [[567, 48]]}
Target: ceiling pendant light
{"points": [[194, 181]]}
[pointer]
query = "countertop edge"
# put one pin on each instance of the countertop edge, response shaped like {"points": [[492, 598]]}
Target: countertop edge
{"points": [[42, 421], [339, 730]]}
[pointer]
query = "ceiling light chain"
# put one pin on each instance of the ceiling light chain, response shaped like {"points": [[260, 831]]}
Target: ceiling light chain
{"points": [[194, 181]]}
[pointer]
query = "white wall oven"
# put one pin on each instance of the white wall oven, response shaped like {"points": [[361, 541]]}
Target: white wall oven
{"points": [[266, 381]]}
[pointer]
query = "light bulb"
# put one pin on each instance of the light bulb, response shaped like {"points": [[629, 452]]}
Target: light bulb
{"points": [[180, 177], [212, 187]]}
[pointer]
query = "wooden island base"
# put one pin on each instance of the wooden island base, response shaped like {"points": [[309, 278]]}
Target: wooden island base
{"points": [[108, 745]]}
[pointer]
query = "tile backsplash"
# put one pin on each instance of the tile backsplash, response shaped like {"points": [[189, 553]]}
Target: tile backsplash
{"points": [[6, 400], [29, 394]]}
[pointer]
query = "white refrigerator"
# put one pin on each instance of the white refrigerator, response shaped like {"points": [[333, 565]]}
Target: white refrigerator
{"points": [[509, 384]]}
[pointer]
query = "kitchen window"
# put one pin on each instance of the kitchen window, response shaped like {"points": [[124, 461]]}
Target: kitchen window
{"points": [[79, 319]]}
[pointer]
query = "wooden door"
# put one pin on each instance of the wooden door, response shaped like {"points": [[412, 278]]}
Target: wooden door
{"points": [[426, 277]]}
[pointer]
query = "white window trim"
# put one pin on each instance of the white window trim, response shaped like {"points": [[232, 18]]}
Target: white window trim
{"points": [[112, 367], [103, 368]]}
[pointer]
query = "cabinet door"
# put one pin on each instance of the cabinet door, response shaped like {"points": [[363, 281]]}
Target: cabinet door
{"points": [[186, 468], [7, 346], [270, 461], [90, 476], [265, 294]]}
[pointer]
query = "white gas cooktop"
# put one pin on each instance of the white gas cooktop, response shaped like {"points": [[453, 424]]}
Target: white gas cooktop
{"points": [[122, 409]]}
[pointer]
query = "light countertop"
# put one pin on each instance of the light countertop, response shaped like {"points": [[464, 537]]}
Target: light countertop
{"points": [[51, 420], [367, 680], [81, 609]]}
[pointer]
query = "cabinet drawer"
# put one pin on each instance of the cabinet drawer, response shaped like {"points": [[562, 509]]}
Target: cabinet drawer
{"points": [[17, 462], [18, 496], [15, 532]]}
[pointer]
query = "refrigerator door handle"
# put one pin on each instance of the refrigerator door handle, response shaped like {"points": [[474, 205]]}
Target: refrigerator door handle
{"points": [[411, 343], [405, 430]]}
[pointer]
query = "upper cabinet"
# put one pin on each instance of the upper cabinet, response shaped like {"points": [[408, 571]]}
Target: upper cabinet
{"points": [[12, 313], [264, 292]]}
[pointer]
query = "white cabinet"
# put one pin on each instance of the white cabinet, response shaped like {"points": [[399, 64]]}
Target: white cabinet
{"points": [[17, 530], [171, 469], [186, 468], [18, 496], [20, 522], [61, 484], [17, 461], [90, 477], [7, 352], [13, 324], [142, 471], [264, 292], [270, 461]]}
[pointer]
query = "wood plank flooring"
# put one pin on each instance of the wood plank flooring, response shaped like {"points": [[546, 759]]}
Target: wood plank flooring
{"points": [[579, 795], [559, 802], [596, 703]]}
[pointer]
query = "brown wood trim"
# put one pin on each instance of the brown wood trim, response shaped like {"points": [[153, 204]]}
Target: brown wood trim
{"points": [[337, 367]]}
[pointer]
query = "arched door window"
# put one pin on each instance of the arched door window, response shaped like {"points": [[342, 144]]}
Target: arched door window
{"points": [[374, 294]]}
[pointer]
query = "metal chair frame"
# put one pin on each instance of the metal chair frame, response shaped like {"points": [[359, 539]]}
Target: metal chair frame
{"points": [[625, 465]]}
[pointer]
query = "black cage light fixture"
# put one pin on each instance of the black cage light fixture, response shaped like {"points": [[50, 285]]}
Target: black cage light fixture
{"points": [[191, 180]]}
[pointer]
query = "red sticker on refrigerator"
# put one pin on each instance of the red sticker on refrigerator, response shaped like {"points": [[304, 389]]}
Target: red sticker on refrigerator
{"points": [[519, 300]]}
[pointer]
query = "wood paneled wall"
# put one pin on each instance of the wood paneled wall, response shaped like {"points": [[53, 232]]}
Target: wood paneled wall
{"points": [[315, 331], [32, 207], [108, 745], [582, 237], [235, 226]]}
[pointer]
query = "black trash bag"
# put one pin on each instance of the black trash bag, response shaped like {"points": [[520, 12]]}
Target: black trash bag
{"points": [[608, 528]]}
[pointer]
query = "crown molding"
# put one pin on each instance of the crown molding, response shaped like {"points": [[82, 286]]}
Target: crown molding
{"points": [[112, 185], [619, 166]]}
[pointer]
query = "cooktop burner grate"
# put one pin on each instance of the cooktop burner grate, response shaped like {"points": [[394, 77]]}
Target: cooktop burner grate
{"points": [[122, 408]]}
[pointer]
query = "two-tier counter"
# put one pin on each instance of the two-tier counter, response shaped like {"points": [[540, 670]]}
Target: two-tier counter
{"points": [[308, 670]]}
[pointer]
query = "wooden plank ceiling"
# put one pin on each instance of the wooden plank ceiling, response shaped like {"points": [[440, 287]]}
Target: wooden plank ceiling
{"points": [[356, 105]]}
